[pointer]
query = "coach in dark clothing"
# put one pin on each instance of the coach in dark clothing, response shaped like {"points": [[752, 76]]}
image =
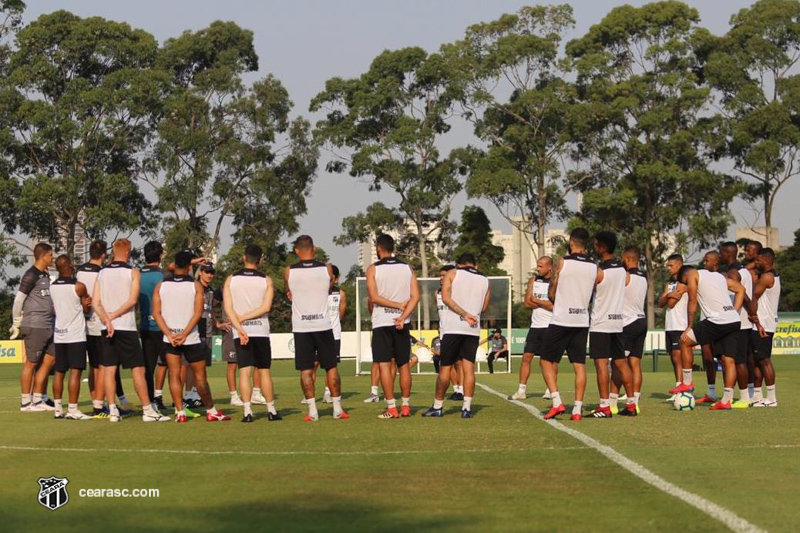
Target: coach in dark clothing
{"points": [[499, 348]]}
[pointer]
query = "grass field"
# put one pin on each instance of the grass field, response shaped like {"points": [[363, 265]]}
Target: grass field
{"points": [[504, 470]]}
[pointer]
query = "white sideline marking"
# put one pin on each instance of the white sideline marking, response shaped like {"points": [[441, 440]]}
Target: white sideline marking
{"points": [[727, 517]]}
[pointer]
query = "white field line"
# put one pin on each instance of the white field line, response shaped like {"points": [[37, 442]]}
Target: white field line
{"points": [[727, 517]]}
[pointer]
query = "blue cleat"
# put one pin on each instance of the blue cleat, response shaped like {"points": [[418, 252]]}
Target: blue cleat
{"points": [[433, 412], [466, 414]]}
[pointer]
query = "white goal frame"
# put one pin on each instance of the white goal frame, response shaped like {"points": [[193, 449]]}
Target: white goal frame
{"points": [[478, 367]]}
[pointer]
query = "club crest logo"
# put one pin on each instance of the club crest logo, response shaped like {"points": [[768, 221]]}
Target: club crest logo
{"points": [[53, 492]]}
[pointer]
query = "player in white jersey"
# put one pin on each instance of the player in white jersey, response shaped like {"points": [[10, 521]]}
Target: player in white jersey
{"points": [[445, 314], [394, 293], [763, 313], [466, 293], [738, 272], [756, 378], [307, 285], [605, 332], [720, 326], [114, 298], [541, 307], [337, 306], [247, 301], [70, 301], [571, 292], [178, 303], [674, 299], [634, 332]]}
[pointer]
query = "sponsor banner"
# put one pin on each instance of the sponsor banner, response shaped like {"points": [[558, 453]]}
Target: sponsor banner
{"points": [[12, 351], [787, 338]]}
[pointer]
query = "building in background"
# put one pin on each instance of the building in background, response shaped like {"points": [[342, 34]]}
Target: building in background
{"points": [[769, 237], [366, 249]]}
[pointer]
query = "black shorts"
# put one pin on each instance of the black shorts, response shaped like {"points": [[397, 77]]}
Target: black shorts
{"points": [[228, 348], [94, 347], [314, 346], [673, 340], [742, 346], [606, 345], [123, 349], [338, 343], [257, 352], [456, 347], [762, 347], [70, 355], [38, 342], [153, 346], [192, 353], [389, 343], [534, 340], [633, 337], [722, 337], [560, 339], [206, 342]]}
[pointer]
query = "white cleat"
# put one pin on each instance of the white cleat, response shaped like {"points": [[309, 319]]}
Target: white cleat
{"points": [[58, 413], [622, 398], [326, 398], [519, 395], [671, 399], [303, 401], [237, 401], [39, 407], [547, 396], [372, 398], [113, 418], [77, 415], [258, 399], [764, 403], [154, 417], [25, 408]]}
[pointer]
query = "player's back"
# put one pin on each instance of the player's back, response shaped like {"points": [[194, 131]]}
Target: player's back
{"points": [[87, 274], [609, 298], [635, 295], [468, 290], [309, 283], [248, 288], [115, 282], [177, 295], [70, 321], [393, 281], [150, 277], [712, 296], [576, 283]]}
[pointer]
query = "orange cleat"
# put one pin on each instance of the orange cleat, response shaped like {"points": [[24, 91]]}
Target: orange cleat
{"points": [[181, 419], [309, 418], [341, 416], [706, 399], [576, 418], [682, 388], [554, 412], [720, 406], [405, 411], [390, 412]]}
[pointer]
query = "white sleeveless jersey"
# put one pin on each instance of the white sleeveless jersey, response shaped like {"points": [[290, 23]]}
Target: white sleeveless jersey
{"points": [[310, 284], [609, 298], [576, 283], [747, 282], [393, 279], [446, 316], [248, 288], [768, 306], [87, 274], [334, 303], [177, 306], [70, 320], [468, 290], [712, 295], [677, 318], [115, 281], [635, 295], [540, 317]]}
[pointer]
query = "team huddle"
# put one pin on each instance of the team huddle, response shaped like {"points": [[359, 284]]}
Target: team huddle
{"points": [[89, 312]]}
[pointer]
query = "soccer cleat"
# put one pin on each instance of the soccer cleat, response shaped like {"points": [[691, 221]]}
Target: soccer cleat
{"points": [[258, 399], [38, 407], [77, 415], [49, 403], [159, 401], [390, 412], [601, 412], [58, 413], [547, 396], [25, 407], [405, 411], [554, 412], [721, 406], [614, 410], [341, 416], [638, 409], [247, 419], [765, 403], [740, 404], [628, 411], [465, 413], [181, 419], [309, 418], [236, 401], [99, 413], [623, 398], [706, 399], [519, 395], [124, 412], [681, 388], [433, 412], [219, 417], [576, 417], [113, 418], [326, 398], [274, 417], [189, 412], [154, 417], [192, 403], [372, 398], [303, 401], [457, 396], [671, 399]]}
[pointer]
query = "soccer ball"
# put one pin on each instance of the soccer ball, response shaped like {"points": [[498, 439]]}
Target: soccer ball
{"points": [[683, 402]]}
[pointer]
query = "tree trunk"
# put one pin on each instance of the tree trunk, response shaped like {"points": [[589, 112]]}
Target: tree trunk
{"points": [[651, 290], [768, 199], [541, 219], [426, 306]]}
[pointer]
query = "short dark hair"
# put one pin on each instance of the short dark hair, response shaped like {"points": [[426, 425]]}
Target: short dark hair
{"points": [[757, 244], [253, 253], [62, 261], [153, 251], [607, 239], [40, 249], [632, 250], [729, 244], [682, 272], [768, 252], [675, 257], [335, 270], [385, 242], [304, 242], [447, 268], [183, 258], [579, 235], [97, 249], [466, 259]]}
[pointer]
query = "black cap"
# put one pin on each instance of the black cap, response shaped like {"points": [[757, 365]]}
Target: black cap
{"points": [[498, 330], [207, 267]]}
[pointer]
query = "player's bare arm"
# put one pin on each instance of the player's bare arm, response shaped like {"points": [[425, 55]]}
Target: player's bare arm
{"points": [[266, 304], [227, 303]]}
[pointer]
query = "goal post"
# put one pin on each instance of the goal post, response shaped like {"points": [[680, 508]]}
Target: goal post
{"points": [[425, 324]]}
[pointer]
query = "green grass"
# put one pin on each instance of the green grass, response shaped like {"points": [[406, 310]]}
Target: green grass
{"points": [[501, 471]]}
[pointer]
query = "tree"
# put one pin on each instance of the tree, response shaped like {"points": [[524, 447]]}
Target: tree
{"points": [[390, 119], [750, 67], [642, 122], [788, 265], [513, 92], [77, 107], [475, 237]]}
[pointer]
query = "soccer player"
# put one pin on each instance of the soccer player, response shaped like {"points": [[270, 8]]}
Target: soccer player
{"points": [[605, 333], [570, 291], [247, 300], [675, 300], [32, 317], [114, 299], [206, 325], [720, 325], [457, 375], [744, 358], [152, 343], [712, 263], [70, 302], [728, 257], [634, 332], [308, 284], [177, 308], [541, 307], [337, 306], [436, 351], [393, 290], [466, 293], [764, 316], [499, 348]]}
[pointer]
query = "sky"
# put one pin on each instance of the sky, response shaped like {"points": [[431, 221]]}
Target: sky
{"points": [[306, 42]]}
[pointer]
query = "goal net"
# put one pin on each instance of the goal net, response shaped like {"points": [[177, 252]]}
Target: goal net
{"points": [[425, 325]]}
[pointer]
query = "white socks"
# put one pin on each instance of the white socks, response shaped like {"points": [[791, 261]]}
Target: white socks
{"points": [[97, 404], [458, 388], [636, 396], [158, 393], [112, 409], [248, 410], [73, 408], [576, 409], [744, 395], [337, 405], [26, 398], [271, 408], [604, 402], [613, 398], [57, 404], [727, 396], [556, 397], [523, 388], [712, 390], [406, 401], [438, 404], [687, 376], [212, 410], [374, 390], [312, 408], [467, 403], [771, 393], [391, 404], [757, 395]]}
